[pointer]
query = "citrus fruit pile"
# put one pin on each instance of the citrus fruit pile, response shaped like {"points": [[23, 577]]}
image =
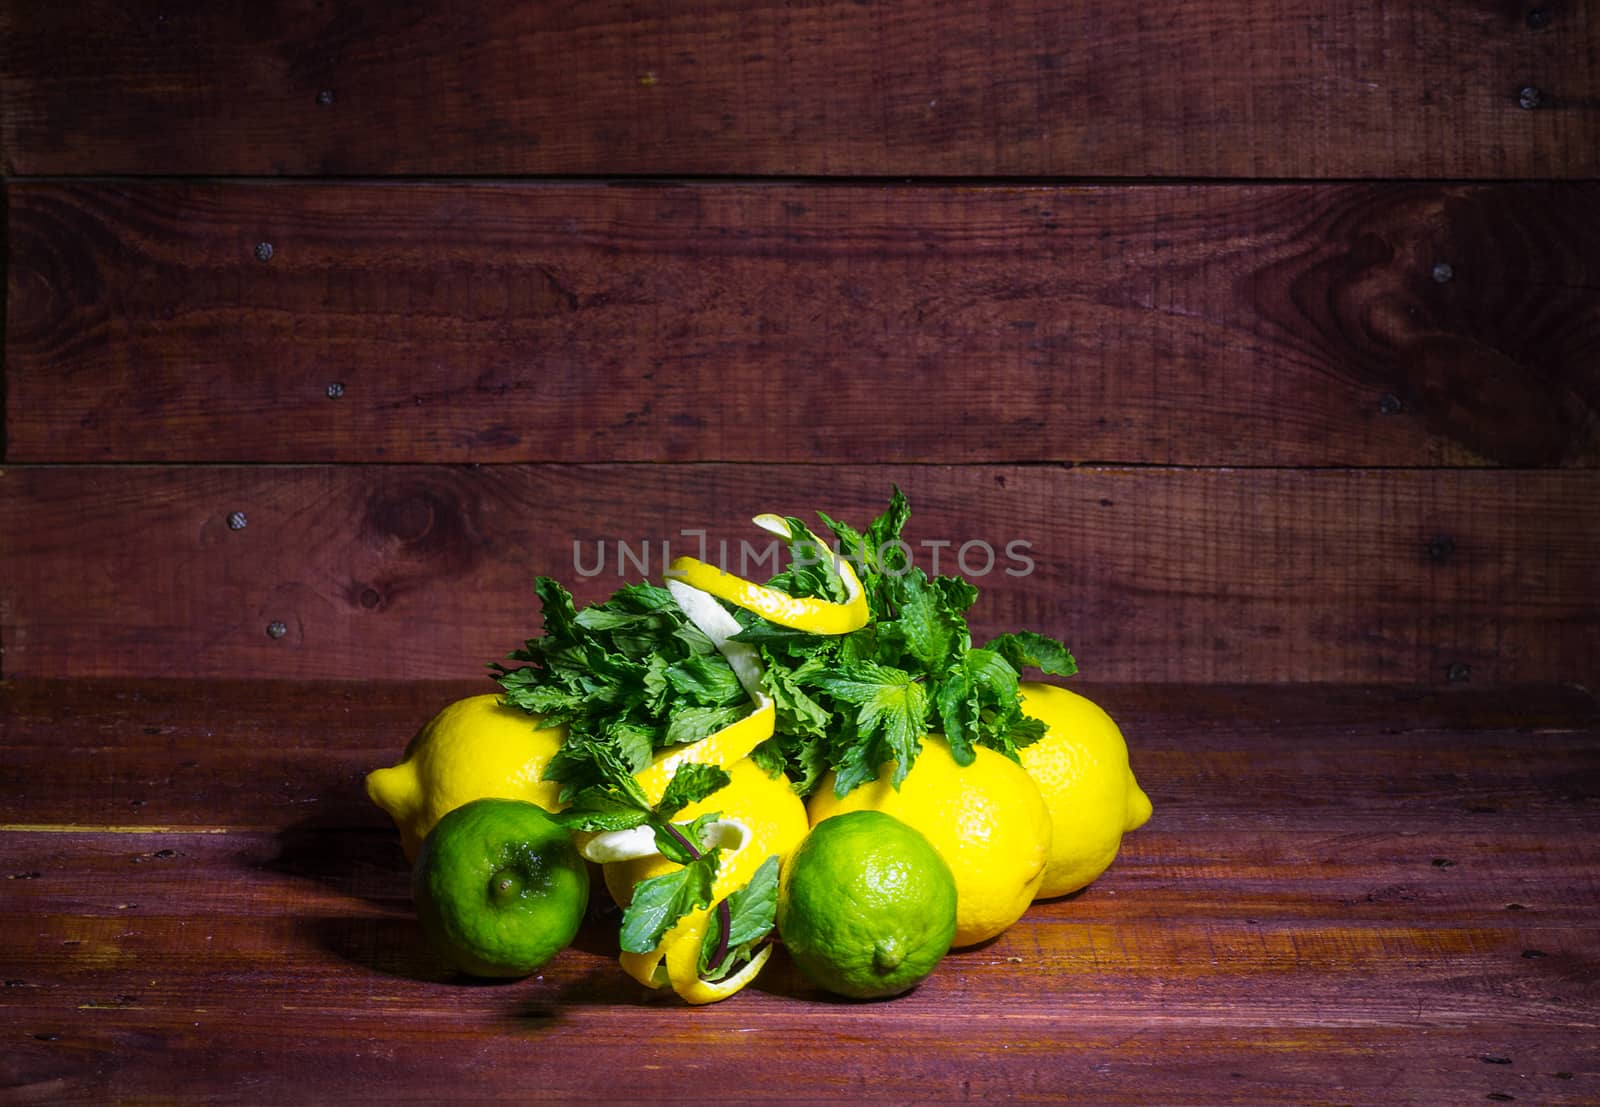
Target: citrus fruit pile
{"points": [[825, 759]]}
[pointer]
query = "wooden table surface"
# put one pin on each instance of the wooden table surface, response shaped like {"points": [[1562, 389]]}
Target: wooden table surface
{"points": [[1374, 894]]}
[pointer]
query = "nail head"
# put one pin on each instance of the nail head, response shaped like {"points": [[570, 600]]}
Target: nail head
{"points": [[1530, 97], [325, 97], [276, 629], [335, 390], [1443, 272], [237, 521], [1538, 19], [1441, 546], [1458, 672], [263, 251], [1389, 404]]}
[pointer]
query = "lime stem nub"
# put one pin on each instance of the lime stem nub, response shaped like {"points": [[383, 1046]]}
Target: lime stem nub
{"points": [[505, 886]]}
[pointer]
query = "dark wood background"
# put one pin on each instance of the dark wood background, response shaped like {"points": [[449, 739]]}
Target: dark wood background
{"points": [[1273, 329]]}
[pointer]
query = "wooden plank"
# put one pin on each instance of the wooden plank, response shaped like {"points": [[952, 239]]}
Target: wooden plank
{"points": [[1251, 945], [825, 1053], [159, 757], [1027, 87], [401, 572], [1196, 325]]}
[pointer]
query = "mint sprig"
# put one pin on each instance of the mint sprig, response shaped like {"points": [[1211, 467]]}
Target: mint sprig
{"points": [[752, 909], [660, 901], [855, 702]]}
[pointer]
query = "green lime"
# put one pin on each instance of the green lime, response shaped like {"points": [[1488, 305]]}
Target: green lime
{"points": [[866, 906], [500, 887]]}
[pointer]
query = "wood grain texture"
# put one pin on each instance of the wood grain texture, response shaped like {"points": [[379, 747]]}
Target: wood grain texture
{"points": [[401, 572], [1325, 908], [1203, 325], [1024, 87]]}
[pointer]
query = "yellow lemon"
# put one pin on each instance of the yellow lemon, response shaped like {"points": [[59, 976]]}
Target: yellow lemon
{"points": [[772, 821], [474, 748], [987, 820], [1081, 767]]}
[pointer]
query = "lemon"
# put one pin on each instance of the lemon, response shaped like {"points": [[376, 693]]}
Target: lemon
{"points": [[1081, 767], [500, 888], [987, 820], [475, 747], [866, 906], [769, 820]]}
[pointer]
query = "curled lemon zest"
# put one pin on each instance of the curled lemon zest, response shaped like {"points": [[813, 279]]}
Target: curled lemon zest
{"points": [[806, 613]]}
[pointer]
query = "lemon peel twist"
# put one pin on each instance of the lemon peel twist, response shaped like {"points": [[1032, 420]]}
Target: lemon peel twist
{"points": [[696, 586], [807, 613], [675, 959]]}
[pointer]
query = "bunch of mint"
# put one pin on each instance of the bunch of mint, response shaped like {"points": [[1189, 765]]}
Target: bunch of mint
{"points": [[632, 675]]}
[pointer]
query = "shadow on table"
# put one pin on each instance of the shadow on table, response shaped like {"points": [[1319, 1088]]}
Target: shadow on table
{"points": [[361, 862]]}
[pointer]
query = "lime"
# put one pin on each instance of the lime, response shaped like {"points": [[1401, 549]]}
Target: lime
{"points": [[500, 887], [866, 906]]}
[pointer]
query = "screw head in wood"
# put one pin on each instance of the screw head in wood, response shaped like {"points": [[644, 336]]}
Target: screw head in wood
{"points": [[335, 390], [263, 251], [237, 521], [276, 629], [1443, 272], [1529, 97]]}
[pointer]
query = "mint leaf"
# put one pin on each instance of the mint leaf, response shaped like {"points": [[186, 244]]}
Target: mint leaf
{"points": [[560, 618], [596, 809], [960, 713], [1027, 650], [693, 722], [884, 532], [660, 901], [691, 782], [683, 843], [890, 718], [926, 624], [751, 911], [705, 679]]}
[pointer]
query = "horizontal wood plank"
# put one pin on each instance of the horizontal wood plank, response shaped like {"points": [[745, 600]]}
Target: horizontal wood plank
{"points": [[1194, 325], [158, 757], [1342, 940], [403, 572], [1028, 87]]}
